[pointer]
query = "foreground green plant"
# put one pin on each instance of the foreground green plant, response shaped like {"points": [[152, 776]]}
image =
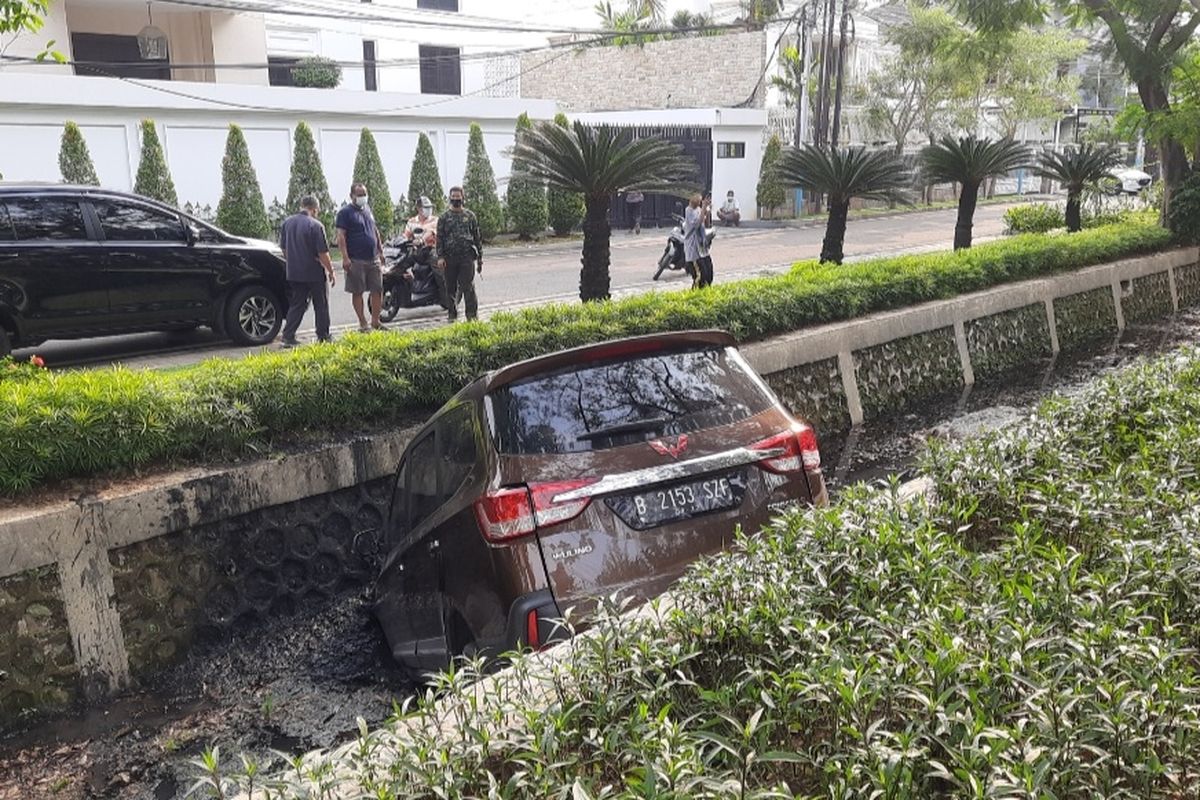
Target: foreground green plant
{"points": [[1028, 632], [62, 424]]}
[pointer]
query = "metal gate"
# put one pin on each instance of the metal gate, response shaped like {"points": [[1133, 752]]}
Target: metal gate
{"points": [[657, 209]]}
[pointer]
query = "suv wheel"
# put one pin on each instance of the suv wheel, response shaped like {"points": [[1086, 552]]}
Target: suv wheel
{"points": [[253, 316]]}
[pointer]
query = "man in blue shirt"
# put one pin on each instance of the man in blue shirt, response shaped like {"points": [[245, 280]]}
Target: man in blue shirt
{"points": [[362, 255], [306, 250]]}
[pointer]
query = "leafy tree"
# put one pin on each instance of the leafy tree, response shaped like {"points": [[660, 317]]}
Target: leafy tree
{"points": [[27, 16], [843, 174], [479, 183], [1147, 35], [689, 24], [565, 208], [1076, 170], [771, 192], [74, 160], [424, 179], [241, 211], [526, 195], [599, 162], [1024, 77], [638, 15], [368, 170], [308, 177], [315, 72], [1185, 211], [153, 175], [969, 162], [757, 13]]}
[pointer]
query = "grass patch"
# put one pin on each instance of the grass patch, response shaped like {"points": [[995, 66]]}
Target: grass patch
{"points": [[79, 423], [1031, 633]]}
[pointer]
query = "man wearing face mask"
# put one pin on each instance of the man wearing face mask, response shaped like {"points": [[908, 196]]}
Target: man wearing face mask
{"points": [[460, 254], [362, 255]]}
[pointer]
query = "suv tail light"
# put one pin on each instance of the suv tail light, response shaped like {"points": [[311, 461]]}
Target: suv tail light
{"points": [[800, 451], [507, 514]]}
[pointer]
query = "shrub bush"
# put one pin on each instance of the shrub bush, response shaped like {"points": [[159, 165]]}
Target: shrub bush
{"points": [[1032, 637], [564, 209], [153, 175], [526, 196], [368, 170], [83, 423], [771, 193], [1185, 209], [308, 177], [241, 210], [424, 179], [1034, 218], [479, 183], [74, 160], [316, 72]]}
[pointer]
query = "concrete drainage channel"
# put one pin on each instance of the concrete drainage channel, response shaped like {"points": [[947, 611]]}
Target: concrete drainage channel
{"points": [[254, 683], [300, 684]]}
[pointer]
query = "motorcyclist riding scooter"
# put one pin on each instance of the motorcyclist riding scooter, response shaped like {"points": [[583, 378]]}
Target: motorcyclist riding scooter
{"points": [[410, 279]]}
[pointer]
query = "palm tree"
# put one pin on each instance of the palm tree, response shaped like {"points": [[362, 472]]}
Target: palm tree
{"points": [[598, 162], [970, 161], [1075, 169], [843, 174]]}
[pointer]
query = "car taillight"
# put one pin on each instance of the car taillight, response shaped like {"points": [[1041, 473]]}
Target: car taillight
{"points": [[506, 514], [533, 635], [800, 451]]}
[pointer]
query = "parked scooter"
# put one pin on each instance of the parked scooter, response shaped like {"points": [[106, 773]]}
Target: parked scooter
{"points": [[672, 256], [409, 278]]}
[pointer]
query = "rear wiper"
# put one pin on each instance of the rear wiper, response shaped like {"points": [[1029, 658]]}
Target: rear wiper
{"points": [[653, 424]]}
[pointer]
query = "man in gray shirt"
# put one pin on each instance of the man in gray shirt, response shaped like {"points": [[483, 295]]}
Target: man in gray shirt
{"points": [[308, 267]]}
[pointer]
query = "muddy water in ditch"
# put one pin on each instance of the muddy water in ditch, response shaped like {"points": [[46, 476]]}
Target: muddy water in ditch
{"points": [[303, 684]]}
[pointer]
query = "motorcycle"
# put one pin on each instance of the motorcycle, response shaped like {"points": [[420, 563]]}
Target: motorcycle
{"points": [[409, 277], [672, 257]]}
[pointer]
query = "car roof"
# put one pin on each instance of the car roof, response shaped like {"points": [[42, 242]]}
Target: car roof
{"points": [[603, 351]]}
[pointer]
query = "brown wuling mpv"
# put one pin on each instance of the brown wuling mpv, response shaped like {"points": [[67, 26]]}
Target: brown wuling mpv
{"points": [[549, 483]]}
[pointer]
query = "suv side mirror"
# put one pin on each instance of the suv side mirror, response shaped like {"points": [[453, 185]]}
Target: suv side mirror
{"points": [[191, 233]]}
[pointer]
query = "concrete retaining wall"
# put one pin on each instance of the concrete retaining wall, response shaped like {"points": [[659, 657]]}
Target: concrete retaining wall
{"points": [[99, 593]]}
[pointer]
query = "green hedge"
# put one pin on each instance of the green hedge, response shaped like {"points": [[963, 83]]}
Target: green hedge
{"points": [[1027, 632], [65, 424]]}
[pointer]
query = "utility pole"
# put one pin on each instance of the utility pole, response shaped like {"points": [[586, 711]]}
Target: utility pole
{"points": [[820, 138], [841, 74], [802, 95]]}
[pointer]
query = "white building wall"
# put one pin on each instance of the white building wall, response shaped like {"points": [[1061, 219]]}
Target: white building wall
{"points": [[193, 131]]}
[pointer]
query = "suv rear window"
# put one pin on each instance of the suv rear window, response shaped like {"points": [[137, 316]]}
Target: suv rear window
{"points": [[37, 218], [623, 402]]}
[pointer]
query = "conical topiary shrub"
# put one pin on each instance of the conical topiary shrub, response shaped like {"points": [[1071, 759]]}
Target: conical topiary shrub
{"points": [[74, 160], [424, 180], [241, 211], [368, 170], [153, 175], [480, 185], [564, 209], [771, 193], [526, 195], [308, 177]]}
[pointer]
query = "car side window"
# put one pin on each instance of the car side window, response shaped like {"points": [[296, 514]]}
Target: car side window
{"points": [[46, 218], [126, 222], [6, 230], [422, 481], [458, 452]]}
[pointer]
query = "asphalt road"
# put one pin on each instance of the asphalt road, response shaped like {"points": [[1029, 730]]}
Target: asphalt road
{"points": [[520, 276]]}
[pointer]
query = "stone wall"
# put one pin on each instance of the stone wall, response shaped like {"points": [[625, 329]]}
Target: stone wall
{"points": [[104, 592], [721, 72]]}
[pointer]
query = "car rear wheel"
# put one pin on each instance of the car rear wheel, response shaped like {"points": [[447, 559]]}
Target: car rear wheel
{"points": [[663, 263], [5, 343], [253, 316]]}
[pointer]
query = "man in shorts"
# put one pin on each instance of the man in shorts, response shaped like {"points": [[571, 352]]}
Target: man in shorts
{"points": [[362, 256]]}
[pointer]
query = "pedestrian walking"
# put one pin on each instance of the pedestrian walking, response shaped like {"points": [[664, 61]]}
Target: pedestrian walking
{"points": [[695, 243], [306, 250], [633, 202], [362, 256], [460, 254]]}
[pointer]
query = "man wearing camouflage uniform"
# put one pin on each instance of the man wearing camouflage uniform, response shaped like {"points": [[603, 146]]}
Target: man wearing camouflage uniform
{"points": [[460, 254]]}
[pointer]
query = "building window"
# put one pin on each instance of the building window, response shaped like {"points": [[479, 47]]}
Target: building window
{"points": [[113, 56], [279, 70], [438, 5], [370, 68], [731, 149], [440, 70]]}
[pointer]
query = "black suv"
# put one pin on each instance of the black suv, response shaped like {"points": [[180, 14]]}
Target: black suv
{"points": [[78, 261]]}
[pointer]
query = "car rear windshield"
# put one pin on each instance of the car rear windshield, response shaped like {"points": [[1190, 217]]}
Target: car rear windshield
{"points": [[615, 403]]}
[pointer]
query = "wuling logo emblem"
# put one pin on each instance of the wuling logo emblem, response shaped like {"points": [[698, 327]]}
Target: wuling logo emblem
{"points": [[664, 447]]}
